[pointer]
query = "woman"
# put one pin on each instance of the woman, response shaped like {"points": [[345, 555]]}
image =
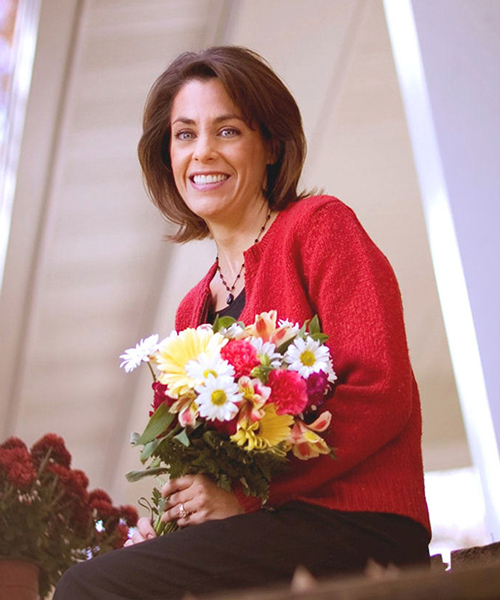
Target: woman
{"points": [[222, 152]]}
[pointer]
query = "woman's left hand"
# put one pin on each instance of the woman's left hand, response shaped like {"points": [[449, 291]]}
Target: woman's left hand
{"points": [[194, 499]]}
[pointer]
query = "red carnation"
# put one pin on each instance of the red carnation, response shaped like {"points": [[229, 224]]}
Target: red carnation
{"points": [[242, 355], [317, 385], [288, 392], [58, 451], [129, 515], [160, 397], [225, 427]]}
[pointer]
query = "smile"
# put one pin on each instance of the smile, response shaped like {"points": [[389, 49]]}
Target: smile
{"points": [[206, 179]]}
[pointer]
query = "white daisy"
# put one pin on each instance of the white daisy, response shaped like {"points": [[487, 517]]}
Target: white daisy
{"points": [[133, 357], [308, 356], [266, 351], [219, 398], [206, 365], [286, 323], [235, 331]]}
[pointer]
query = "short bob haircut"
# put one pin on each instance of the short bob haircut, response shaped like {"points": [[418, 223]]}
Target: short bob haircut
{"points": [[265, 102]]}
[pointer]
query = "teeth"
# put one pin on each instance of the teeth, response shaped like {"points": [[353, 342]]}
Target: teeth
{"points": [[204, 179]]}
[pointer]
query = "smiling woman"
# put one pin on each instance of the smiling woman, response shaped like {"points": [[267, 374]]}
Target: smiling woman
{"points": [[218, 161], [222, 153]]}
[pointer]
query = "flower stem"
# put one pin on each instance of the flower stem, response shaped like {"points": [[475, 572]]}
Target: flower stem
{"points": [[152, 371], [161, 528]]}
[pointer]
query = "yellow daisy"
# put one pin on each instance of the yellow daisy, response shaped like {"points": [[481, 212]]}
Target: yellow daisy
{"points": [[178, 349], [266, 433]]}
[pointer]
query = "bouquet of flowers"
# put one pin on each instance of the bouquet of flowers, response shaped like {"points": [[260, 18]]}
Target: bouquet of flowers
{"points": [[233, 402], [47, 515]]}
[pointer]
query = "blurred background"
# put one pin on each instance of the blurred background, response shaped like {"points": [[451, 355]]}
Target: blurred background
{"points": [[412, 147]]}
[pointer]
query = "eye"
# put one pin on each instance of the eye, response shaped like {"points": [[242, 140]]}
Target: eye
{"points": [[184, 135], [229, 132]]}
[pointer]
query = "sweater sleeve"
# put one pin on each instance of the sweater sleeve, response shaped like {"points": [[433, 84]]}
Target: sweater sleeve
{"points": [[353, 289]]}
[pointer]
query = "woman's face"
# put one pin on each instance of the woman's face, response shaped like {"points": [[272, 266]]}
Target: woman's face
{"points": [[218, 161]]}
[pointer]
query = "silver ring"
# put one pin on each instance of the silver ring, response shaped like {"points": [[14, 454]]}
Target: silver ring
{"points": [[182, 511]]}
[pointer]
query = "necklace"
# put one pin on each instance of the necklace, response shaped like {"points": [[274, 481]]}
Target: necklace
{"points": [[230, 290]]}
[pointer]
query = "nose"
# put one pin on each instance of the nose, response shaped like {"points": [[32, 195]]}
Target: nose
{"points": [[204, 149]]}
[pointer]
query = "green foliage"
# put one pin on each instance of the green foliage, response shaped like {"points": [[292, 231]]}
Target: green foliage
{"points": [[223, 322], [157, 424], [214, 454]]}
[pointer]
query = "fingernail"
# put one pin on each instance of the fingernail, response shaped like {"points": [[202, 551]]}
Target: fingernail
{"points": [[150, 536]]}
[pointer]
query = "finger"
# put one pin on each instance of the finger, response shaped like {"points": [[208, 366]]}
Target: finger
{"points": [[175, 499], [145, 528], [176, 512], [175, 485], [136, 538], [129, 542]]}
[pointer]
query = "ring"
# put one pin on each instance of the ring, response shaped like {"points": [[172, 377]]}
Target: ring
{"points": [[182, 511]]}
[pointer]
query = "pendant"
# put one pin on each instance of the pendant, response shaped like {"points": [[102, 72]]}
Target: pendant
{"points": [[229, 298]]}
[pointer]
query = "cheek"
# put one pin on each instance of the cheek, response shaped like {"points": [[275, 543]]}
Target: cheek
{"points": [[177, 169]]}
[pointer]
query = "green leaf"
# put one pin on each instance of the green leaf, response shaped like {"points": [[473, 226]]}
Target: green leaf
{"points": [[137, 475], [314, 326], [149, 449], [302, 331], [223, 322], [319, 337], [183, 438], [160, 420], [284, 346]]}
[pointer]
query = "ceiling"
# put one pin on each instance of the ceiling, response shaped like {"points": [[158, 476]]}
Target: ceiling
{"points": [[87, 271]]}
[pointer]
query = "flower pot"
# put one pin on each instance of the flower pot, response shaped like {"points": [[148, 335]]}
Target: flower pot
{"points": [[18, 580]]}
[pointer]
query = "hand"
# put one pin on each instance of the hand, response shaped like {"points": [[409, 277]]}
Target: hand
{"points": [[200, 499], [144, 532]]}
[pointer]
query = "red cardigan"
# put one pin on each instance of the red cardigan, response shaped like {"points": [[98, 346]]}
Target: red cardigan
{"points": [[317, 259]]}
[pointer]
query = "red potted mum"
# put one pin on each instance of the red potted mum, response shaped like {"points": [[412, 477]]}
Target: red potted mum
{"points": [[48, 518]]}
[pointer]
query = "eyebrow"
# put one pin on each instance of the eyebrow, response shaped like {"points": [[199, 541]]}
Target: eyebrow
{"points": [[218, 119]]}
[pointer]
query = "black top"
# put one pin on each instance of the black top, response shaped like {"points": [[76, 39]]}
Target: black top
{"points": [[232, 310]]}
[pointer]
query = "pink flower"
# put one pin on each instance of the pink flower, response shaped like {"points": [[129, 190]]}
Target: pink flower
{"points": [[317, 385], [306, 443], [288, 392], [241, 355]]}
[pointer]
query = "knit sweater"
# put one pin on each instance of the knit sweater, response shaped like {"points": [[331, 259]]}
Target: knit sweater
{"points": [[317, 259]]}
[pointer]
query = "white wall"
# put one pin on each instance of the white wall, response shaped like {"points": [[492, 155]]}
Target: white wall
{"points": [[451, 83]]}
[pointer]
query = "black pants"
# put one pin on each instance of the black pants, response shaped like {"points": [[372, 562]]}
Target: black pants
{"points": [[251, 550]]}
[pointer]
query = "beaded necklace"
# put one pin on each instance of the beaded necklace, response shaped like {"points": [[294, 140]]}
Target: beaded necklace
{"points": [[230, 290]]}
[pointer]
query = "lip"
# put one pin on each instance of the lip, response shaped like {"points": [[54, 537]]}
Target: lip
{"points": [[207, 185]]}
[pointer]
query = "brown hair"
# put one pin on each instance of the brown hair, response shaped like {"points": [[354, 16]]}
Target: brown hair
{"points": [[265, 102]]}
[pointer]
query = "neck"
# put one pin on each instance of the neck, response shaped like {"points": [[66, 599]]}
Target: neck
{"points": [[232, 239]]}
